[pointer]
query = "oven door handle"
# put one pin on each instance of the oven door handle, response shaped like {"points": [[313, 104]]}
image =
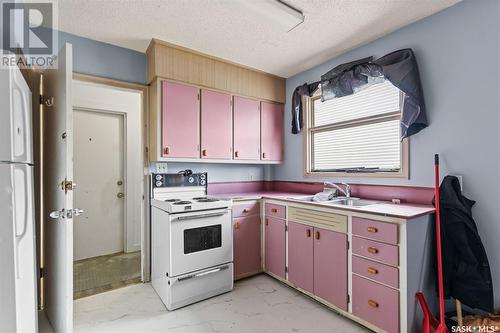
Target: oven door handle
{"points": [[200, 216], [194, 276]]}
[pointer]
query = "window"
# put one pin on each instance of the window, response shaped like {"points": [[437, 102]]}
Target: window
{"points": [[356, 135]]}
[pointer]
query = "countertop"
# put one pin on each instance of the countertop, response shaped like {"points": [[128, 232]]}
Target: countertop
{"points": [[384, 208]]}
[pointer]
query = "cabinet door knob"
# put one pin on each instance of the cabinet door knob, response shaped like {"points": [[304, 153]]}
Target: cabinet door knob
{"points": [[267, 221], [237, 225], [372, 250], [372, 270], [274, 210], [308, 233], [372, 229], [263, 155], [236, 154], [166, 151], [246, 210], [372, 303], [317, 235], [204, 152]]}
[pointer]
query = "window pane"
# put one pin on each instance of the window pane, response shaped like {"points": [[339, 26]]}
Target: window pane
{"points": [[370, 146], [375, 100]]}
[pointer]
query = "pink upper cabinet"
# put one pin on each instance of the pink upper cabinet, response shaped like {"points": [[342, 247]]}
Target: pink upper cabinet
{"points": [[246, 129], [300, 255], [180, 107], [272, 131], [330, 267], [216, 125]]}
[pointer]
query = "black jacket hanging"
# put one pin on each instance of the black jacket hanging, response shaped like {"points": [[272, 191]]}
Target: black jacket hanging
{"points": [[466, 271]]}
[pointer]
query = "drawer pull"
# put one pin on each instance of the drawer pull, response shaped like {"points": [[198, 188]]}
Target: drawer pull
{"points": [[308, 233], [317, 235], [274, 210], [267, 221], [372, 229], [372, 250], [372, 270], [246, 210], [237, 225], [372, 303], [166, 151]]}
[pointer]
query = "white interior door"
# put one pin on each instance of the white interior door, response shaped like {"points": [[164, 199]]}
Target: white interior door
{"points": [[58, 167], [98, 159]]}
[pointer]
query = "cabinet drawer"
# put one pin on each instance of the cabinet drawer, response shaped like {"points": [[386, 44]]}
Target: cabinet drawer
{"points": [[273, 210], [375, 303], [376, 250], [246, 209], [320, 219], [376, 271], [382, 231]]}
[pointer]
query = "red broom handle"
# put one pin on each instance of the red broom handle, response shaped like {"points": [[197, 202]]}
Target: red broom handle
{"points": [[438, 242]]}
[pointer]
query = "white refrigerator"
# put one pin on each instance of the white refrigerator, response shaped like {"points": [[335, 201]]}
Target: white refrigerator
{"points": [[18, 276]]}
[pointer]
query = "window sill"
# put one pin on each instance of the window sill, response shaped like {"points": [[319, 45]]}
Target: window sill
{"points": [[404, 174]]}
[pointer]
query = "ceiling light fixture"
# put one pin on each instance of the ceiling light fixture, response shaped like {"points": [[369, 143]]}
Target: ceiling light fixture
{"points": [[277, 11]]}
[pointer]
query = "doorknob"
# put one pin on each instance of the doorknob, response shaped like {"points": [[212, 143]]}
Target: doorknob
{"points": [[120, 195]]}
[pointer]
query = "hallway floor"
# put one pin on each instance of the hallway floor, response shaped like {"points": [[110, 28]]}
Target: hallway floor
{"points": [[257, 304], [96, 275]]}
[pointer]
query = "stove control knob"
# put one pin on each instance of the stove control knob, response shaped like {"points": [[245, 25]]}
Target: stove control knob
{"points": [[203, 182], [191, 180], [159, 177], [203, 176], [159, 183]]}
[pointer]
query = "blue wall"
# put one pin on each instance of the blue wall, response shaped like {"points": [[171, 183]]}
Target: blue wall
{"points": [[106, 60], [458, 51]]}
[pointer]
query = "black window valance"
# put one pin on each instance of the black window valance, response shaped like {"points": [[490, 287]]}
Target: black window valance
{"points": [[399, 67]]}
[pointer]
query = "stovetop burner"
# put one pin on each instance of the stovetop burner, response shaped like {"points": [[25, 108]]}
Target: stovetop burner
{"points": [[199, 198], [183, 202], [207, 200], [172, 200]]}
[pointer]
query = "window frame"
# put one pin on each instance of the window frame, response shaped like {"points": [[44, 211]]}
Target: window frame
{"points": [[308, 130]]}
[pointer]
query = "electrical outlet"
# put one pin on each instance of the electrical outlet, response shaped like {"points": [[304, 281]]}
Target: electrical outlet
{"points": [[161, 167]]}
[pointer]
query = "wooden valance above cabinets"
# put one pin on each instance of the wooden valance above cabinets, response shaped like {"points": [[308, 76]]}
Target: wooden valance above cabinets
{"points": [[204, 109]]}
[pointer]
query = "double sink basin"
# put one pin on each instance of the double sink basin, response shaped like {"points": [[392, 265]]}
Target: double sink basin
{"points": [[339, 201]]}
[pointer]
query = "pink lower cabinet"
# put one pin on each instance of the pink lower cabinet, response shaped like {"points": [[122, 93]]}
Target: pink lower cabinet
{"points": [[330, 267], [246, 245], [375, 303], [246, 120], [216, 125], [300, 256], [274, 235], [180, 126]]}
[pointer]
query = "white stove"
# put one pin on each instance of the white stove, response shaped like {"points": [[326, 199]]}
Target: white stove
{"points": [[191, 240]]}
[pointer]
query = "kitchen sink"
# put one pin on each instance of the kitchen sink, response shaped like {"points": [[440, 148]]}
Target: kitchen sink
{"points": [[352, 202]]}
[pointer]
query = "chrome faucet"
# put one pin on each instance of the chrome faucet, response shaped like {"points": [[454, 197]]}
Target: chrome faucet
{"points": [[347, 191]]}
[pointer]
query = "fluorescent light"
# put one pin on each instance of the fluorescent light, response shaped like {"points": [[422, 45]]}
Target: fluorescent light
{"points": [[276, 11]]}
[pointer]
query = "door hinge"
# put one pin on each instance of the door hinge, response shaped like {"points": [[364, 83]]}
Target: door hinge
{"points": [[286, 228], [67, 185], [46, 101], [42, 272], [286, 269], [347, 245], [348, 298]]}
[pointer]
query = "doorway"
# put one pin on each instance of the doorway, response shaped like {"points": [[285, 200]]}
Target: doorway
{"points": [[107, 235]]}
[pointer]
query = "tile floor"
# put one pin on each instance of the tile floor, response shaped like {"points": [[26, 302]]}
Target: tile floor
{"points": [[96, 275], [258, 304]]}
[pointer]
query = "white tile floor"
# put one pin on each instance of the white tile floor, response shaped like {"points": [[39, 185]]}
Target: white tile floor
{"points": [[258, 304]]}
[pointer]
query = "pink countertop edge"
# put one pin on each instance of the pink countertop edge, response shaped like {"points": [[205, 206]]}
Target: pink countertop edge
{"points": [[406, 211]]}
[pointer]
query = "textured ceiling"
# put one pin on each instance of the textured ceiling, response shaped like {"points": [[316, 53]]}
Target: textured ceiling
{"points": [[230, 30]]}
